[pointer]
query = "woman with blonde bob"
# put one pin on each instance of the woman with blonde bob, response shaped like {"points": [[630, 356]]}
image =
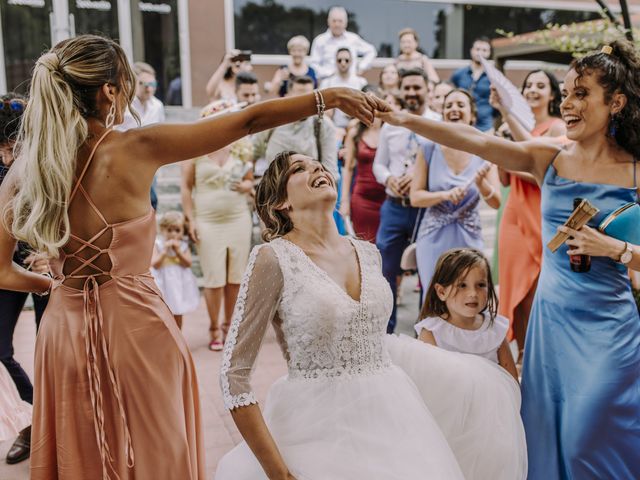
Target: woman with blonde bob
{"points": [[116, 391]]}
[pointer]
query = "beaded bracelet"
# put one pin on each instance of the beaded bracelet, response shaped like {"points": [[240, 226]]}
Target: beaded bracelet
{"points": [[48, 290], [319, 103]]}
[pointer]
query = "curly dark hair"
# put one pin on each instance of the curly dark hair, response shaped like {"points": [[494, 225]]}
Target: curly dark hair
{"points": [[10, 117], [556, 100], [271, 193], [618, 72]]}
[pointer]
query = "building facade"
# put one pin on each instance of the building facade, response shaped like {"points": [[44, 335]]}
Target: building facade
{"points": [[186, 39]]}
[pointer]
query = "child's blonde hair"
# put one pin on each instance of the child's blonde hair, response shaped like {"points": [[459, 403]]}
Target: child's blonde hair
{"points": [[172, 218], [451, 266]]}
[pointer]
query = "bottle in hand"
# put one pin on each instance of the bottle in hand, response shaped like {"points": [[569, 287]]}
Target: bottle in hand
{"points": [[579, 263]]}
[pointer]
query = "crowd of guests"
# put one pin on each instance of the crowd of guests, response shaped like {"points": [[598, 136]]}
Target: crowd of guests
{"points": [[397, 189]]}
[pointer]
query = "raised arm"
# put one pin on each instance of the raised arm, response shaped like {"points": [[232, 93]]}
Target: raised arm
{"points": [[532, 156], [218, 75], [256, 306], [172, 143], [12, 275]]}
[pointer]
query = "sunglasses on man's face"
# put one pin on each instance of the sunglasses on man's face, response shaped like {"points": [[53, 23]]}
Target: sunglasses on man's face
{"points": [[15, 105], [148, 84]]}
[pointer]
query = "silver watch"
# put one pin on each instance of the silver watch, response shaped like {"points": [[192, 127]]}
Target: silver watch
{"points": [[627, 255]]}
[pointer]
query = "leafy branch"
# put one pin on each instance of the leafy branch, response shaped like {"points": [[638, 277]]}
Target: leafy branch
{"points": [[578, 39]]}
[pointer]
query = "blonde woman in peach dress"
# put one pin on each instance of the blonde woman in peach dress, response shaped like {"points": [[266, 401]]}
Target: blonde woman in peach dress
{"points": [[116, 394], [520, 234]]}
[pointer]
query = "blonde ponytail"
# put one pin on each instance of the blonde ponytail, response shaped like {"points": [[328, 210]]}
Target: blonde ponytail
{"points": [[62, 96]]}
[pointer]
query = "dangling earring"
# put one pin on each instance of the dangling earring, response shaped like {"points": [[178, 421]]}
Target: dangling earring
{"points": [[111, 116], [613, 126]]}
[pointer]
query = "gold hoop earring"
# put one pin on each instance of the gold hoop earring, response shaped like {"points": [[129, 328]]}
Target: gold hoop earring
{"points": [[111, 116]]}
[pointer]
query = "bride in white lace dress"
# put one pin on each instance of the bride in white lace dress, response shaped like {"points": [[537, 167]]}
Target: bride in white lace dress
{"points": [[344, 411]]}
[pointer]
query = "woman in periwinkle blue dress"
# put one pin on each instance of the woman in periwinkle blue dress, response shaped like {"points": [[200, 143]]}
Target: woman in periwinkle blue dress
{"points": [[581, 377], [448, 184]]}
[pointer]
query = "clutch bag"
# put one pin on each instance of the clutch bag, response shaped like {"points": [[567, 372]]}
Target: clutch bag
{"points": [[623, 223]]}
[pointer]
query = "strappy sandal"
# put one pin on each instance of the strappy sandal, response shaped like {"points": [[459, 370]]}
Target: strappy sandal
{"points": [[216, 344]]}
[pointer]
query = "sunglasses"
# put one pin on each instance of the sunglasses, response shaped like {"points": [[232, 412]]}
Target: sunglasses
{"points": [[344, 60], [148, 84], [15, 105]]}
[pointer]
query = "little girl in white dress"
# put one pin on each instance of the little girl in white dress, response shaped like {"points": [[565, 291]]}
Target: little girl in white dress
{"points": [[462, 335], [15, 414], [460, 310], [171, 267]]}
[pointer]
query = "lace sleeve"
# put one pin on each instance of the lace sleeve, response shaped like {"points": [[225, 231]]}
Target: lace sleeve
{"points": [[257, 303]]}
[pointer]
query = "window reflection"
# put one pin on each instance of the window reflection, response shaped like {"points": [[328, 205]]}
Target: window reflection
{"points": [[26, 34], [98, 18]]}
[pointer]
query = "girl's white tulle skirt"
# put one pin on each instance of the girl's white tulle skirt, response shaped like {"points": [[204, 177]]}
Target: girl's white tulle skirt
{"points": [[15, 414], [462, 421], [476, 404], [373, 426]]}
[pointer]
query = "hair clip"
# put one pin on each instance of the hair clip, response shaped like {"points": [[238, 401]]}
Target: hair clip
{"points": [[606, 49]]}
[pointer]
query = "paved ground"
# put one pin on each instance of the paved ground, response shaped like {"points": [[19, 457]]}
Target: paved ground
{"points": [[219, 430]]}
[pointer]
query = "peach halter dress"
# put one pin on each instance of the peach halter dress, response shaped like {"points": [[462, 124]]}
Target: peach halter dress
{"points": [[116, 394]]}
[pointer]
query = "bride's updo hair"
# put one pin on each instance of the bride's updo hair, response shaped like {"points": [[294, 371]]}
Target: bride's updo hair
{"points": [[618, 72], [271, 193]]}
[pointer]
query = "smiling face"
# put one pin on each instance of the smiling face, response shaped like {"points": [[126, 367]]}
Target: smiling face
{"points": [[469, 295], [584, 107], [309, 185], [537, 91], [414, 92], [457, 109]]}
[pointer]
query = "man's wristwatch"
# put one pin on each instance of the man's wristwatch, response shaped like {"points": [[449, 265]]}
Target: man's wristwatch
{"points": [[627, 255]]}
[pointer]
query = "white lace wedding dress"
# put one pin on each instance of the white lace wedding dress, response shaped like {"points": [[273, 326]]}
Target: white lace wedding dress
{"points": [[345, 411]]}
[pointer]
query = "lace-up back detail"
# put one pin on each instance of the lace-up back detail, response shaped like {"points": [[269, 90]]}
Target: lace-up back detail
{"points": [[323, 332]]}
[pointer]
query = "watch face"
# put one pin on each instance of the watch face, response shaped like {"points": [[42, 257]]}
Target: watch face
{"points": [[626, 257]]}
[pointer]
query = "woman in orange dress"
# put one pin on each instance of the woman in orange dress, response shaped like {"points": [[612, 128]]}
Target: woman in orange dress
{"points": [[116, 393], [520, 235]]}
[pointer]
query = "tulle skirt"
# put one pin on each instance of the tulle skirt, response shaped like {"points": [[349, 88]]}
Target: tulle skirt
{"points": [[15, 414], [476, 404], [372, 426]]}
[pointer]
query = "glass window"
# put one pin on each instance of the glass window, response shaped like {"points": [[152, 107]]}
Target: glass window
{"points": [[445, 30], [156, 42], [26, 33], [98, 18]]}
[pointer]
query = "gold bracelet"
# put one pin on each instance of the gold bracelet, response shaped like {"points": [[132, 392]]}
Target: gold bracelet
{"points": [[48, 290], [320, 106]]}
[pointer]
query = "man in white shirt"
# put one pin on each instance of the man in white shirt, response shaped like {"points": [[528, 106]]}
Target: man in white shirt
{"points": [[325, 46], [147, 106], [393, 167], [344, 77]]}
